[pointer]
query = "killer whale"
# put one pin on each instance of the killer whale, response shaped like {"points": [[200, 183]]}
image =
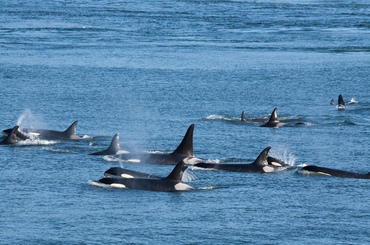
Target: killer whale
{"points": [[11, 139], [172, 182], [113, 148], [336, 172], [260, 165], [18, 134], [273, 122], [126, 173], [332, 102], [69, 134], [341, 104], [184, 150], [251, 120]]}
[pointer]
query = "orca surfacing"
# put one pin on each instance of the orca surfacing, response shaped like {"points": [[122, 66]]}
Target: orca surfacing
{"points": [[336, 172]]}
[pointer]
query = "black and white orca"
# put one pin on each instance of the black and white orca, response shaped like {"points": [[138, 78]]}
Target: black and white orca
{"points": [[69, 134], [341, 104], [273, 121], [11, 139], [184, 150], [172, 182], [260, 165], [113, 148], [252, 120], [126, 173], [336, 172]]}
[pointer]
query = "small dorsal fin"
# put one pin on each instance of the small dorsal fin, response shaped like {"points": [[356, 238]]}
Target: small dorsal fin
{"points": [[341, 101], [177, 172], [262, 158], [273, 117], [186, 145], [332, 102], [72, 129], [11, 138], [243, 118]]}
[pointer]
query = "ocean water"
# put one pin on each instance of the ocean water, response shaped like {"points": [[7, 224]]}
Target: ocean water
{"points": [[148, 70]]}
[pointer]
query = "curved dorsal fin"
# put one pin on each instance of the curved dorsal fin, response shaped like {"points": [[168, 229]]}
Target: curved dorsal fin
{"points": [[243, 118], [262, 158], [177, 172], [341, 101], [273, 117], [72, 129], [11, 138], [114, 145], [186, 145]]}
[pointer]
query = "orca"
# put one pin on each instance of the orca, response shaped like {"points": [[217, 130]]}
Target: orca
{"points": [[113, 148], [273, 121], [69, 134], [332, 102], [18, 134], [336, 172], [11, 139], [172, 182], [260, 165], [126, 173], [341, 104], [251, 120], [184, 150]]}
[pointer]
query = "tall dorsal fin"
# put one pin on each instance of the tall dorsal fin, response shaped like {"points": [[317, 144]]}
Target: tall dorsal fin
{"points": [[177, 172], [262, 158], [11, 138], [273, 117], [114, 145], [341, 101], [186, 145], [72, 129], [243, 118]]}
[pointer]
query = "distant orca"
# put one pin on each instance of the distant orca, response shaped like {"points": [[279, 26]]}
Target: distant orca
{"points": [[251, 120], [336, 172], [11, 139], [69, 134], [341, 104], [126, 173], [273, 121], [17, 133], [260, 165], [332, 102], [113, 148], [171, 183], [184, 150]]}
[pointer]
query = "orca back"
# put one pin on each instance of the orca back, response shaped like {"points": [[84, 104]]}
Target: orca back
{"points": [[186, 145]]}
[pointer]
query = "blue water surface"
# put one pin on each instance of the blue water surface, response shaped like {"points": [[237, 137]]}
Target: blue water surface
{"points": [[148, 70]]}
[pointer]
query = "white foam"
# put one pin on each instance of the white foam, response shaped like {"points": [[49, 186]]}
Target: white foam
{"points": [[188, 176], [110, 159], [87, 137], [353, 101], [36, 142]]}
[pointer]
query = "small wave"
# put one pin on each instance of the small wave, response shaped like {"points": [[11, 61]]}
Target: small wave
{"points": [[87, 137], [92, 144], [219, 117], [195, 168], [110, 159], [352, 101], [208, 188], [99, 184], [58, 150], [28, 142]]}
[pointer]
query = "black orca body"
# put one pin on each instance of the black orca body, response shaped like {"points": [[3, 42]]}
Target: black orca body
{"points": [[252, 120], [69, 134], [341, 104], [184, 150], [11, 139], [171, 183], [336, 172], [126, 173], [260, 165], [273, 121], [18, 134], [112, 149]]}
